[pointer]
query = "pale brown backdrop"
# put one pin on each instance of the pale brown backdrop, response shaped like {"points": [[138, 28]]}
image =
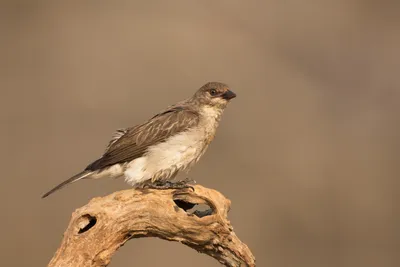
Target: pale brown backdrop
{"points": [[308, 152]]}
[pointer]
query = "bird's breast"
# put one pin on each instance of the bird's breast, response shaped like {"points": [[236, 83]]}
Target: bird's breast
{"points": [[164, 160], [209, 123], [178, 152]]}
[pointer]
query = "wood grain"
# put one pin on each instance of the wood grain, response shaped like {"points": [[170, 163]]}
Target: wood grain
{"points": [[98, 229]]}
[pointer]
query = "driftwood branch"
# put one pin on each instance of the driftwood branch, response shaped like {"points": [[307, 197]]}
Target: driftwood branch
{"points": [[99, 228]]}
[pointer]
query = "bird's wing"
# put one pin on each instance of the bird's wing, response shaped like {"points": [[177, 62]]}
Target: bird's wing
{"points": [[129, 144], [115, 137]]}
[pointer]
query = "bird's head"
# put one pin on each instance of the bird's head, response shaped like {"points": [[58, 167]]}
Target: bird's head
{"points": [[214, 94]]}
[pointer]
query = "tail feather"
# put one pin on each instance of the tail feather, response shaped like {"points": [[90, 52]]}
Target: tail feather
{"points": [[74, 178]]}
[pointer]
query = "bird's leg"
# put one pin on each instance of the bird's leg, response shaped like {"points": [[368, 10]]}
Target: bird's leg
{"points": [[164, 184], [188, 181]]}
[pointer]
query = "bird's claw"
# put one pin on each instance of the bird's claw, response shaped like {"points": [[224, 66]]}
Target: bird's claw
{"points": [[188, 181], [163, 185]]}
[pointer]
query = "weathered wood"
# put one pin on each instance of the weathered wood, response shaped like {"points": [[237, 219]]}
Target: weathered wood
{"points": [[99, 228]]}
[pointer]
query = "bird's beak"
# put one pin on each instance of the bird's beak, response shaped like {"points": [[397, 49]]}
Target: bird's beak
{"points": [[228, 95]]}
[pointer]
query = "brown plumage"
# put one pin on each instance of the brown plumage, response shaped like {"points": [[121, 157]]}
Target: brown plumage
{"points": [[171, 141], [133, 142]]}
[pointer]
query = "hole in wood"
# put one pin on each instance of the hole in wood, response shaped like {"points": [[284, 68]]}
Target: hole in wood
{"points": [[200, 210], [86, 223], [183, 204]]}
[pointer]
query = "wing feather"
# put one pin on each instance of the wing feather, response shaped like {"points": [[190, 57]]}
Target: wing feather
{"points": [[129, 144], [117, 135]]}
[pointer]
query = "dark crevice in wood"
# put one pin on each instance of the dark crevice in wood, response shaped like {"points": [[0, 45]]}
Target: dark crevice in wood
{"points": [[90, 221]]}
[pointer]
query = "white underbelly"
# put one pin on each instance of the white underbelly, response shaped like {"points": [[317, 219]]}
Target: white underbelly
{"points": [[164, 160]]}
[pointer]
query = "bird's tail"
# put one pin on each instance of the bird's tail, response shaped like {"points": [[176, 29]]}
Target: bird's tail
{"points": [[74, 178]]}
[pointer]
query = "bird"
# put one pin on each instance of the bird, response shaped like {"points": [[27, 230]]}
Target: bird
{"points": [[151, 154]]}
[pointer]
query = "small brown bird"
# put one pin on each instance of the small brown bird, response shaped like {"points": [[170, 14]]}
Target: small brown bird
{"points": [[151, 154]]}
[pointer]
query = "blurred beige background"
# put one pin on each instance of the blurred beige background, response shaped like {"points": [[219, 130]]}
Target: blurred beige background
{"points": [[308, 152]]}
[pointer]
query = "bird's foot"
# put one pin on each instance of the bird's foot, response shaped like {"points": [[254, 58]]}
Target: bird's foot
{"points": [[188, 181], [171, 185]]}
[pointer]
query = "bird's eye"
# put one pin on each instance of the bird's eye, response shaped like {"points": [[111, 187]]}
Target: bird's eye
{"points": [[213, 92]]}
